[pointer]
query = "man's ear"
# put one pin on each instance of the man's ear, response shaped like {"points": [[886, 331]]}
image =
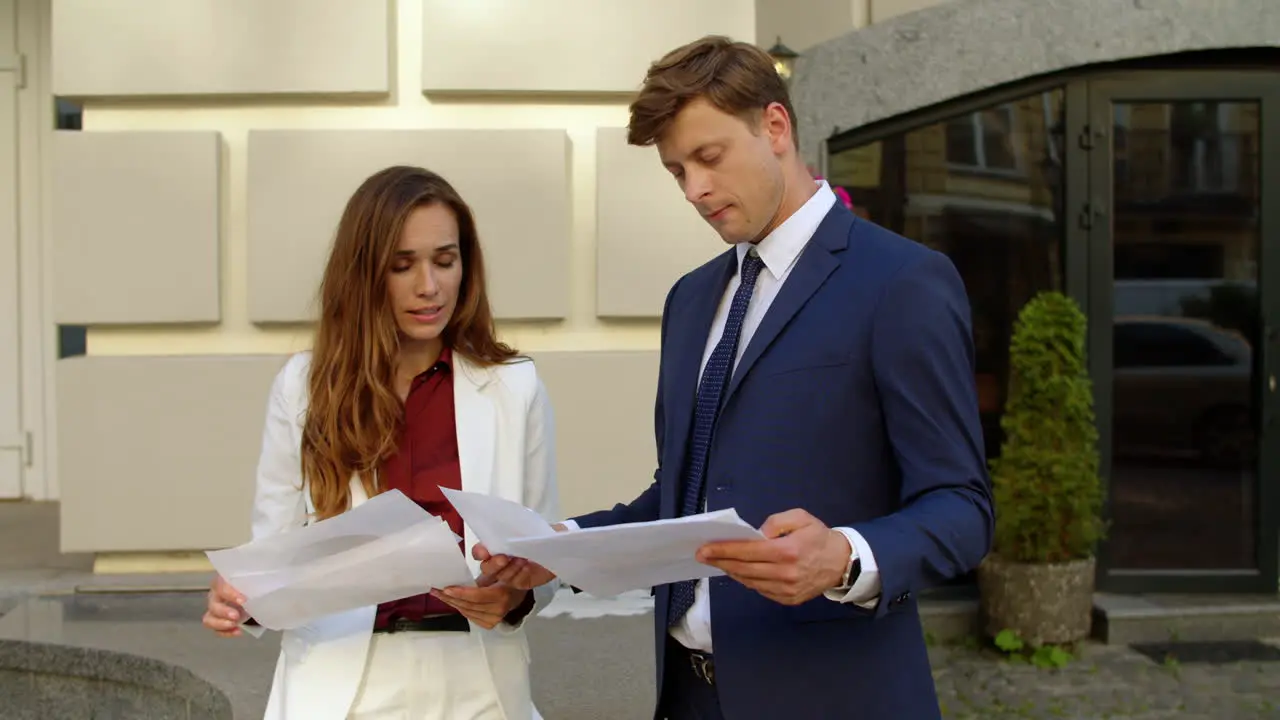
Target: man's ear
{"points": [[777, 123]]}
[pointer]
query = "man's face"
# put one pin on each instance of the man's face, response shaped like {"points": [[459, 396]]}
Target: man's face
{"points": [[728, 167]]}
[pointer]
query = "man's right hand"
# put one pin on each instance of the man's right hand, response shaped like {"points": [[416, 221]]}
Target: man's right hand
{"points": [[225, 609], [516, 572]]}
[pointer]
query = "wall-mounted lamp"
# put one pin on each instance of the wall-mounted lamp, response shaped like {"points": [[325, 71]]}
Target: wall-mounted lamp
{"points": [[784, 59]]}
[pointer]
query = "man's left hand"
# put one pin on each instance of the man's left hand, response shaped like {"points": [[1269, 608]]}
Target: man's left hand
{"points": [[485, 606], [799, 559]]}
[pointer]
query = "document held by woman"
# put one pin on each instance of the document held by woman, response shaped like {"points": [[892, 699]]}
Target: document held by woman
{"points": [[385, 549]]}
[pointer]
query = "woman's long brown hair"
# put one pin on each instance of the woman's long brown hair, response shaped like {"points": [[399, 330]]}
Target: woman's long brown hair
{"points": [[354, 416]]}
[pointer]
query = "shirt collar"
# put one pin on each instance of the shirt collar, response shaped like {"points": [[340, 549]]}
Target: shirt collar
{"points": [[444, 362], [780, 248]]}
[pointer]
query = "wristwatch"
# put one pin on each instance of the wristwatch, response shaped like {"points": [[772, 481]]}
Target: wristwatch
{"points": [[851, 573]]}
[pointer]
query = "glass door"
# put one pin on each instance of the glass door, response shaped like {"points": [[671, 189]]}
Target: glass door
{"points": [[1183, 220]]}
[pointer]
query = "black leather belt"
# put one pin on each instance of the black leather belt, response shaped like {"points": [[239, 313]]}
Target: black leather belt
{"points": [[451, 622]]}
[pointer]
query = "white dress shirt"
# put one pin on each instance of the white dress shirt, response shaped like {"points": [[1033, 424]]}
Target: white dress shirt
{"points": [[779, 250]]}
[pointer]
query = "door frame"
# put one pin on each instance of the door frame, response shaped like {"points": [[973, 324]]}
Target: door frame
{"points": [[1091, 178], [14, 448]]}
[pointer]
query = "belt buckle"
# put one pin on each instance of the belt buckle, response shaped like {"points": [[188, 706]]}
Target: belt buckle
{"points": [[704, 667]]}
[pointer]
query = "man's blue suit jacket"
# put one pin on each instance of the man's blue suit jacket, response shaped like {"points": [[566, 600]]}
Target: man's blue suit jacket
{"points": [[855, 400]]}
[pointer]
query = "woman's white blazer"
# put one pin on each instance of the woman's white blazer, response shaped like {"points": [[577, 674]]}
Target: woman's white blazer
{"points": [[506, 447]]}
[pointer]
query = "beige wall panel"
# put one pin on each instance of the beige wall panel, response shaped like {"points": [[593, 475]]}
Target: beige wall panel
{"points": [[135, 222], [159, 453], [647, 234], [564, 45], [604, 425], [801, 24], [516, 181], [882, 10], [233, 47]]}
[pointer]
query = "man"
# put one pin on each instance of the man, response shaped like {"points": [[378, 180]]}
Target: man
{"points": [[818, 377]]}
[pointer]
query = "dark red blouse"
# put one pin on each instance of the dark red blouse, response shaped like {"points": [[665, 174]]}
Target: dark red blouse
{"points": [[427, 460]]}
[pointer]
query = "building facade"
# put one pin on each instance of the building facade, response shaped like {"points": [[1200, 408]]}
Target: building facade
{"points": [[1124, 153], [178, 169]]}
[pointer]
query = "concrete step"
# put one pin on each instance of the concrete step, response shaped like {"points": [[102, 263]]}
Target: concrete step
{"points": [[949, 620], [1134, 619], [145, 582], [949, 617]]}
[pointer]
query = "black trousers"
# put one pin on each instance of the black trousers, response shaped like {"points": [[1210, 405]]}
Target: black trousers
{"points": [[686, 694]]}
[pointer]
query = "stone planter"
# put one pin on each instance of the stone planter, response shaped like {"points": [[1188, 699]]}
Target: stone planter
{"points": [[1042, 603]]}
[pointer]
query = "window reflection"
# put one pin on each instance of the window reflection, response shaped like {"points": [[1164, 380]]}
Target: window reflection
{"points": [[985, 188], [1186, 328], [984, 140]]}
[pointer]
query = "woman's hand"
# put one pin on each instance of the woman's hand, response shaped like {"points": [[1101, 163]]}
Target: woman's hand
{"points": [[485, 606], [514, 571], [225, 609]]}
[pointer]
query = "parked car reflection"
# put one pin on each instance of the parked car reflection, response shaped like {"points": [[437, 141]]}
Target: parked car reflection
{"points": [[1182, 388]]}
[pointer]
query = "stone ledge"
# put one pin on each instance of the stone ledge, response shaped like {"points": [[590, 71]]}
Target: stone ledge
{"points": [[49, 680], [960, 47]]}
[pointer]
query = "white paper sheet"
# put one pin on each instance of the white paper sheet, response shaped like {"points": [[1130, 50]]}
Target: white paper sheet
{"points": [[385, 549], [497, 521], [606, 561]]}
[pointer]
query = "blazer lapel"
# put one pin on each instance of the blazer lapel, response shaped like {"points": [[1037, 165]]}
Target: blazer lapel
{"points": [[358, 494], [475, 421], [687, 332], [816, 262]]}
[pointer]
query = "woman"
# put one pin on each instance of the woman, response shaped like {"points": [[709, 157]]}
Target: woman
{"points": [[405, 388]]}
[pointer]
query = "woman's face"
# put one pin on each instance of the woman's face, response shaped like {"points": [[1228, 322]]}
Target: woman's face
{"points": [[426, 273]]}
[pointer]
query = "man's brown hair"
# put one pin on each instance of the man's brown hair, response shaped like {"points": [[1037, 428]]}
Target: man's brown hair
{"points": [[736, 77]]}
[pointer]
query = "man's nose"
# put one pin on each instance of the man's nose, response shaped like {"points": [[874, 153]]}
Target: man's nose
{"points": [[696, 186]]}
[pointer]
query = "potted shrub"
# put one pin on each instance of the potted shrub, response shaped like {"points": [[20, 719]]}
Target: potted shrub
{"points": [[1038, 580]]}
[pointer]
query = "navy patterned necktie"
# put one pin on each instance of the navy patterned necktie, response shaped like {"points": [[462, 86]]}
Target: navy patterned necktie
{"points": [[715, 377]]}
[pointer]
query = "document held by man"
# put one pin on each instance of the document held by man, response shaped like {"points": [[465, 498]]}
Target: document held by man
{"points": [[603, 561], [385, 549], [497, 521]]}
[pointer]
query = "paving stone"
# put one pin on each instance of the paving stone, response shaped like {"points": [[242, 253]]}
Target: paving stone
{"points": [[1102, 682]]}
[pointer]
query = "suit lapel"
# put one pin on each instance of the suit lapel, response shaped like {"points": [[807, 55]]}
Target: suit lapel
{"points": [[816, 262], [687, 333]]}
